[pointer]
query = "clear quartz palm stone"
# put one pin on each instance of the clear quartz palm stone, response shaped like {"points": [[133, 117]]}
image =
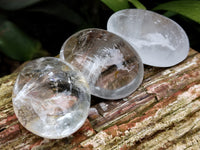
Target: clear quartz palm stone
{"points": [[159, 41], [51, 98], [110, 65]]}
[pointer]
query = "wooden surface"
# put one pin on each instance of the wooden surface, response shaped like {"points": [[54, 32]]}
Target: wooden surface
{"points": [[164, 113]]}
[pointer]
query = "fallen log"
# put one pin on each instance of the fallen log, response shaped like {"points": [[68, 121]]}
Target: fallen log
{"points": [[164, 113]]}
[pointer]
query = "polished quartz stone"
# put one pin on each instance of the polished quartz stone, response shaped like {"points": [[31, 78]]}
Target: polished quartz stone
{"points": [[110, 65], [51, 98], [159, 41]]}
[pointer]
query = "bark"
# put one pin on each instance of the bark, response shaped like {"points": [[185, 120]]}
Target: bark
{"points": [[164, 113]]}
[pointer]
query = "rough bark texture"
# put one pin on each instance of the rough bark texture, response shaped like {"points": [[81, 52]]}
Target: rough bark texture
{"points": [[164, 113]]}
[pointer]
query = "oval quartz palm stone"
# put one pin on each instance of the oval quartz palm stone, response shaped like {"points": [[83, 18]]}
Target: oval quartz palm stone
{"points": [[51, 98], [110, 65], [158, 40]]}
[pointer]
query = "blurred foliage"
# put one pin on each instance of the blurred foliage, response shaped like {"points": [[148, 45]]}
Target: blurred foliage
{"points": [[17, 45], [29, 27], [34, 28], [16, 4], [116, 5], [187, 8]]}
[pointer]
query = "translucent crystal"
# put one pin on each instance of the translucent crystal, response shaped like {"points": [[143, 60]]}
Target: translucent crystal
{"points": [[51, 98], [111, 66], [159, 41]]}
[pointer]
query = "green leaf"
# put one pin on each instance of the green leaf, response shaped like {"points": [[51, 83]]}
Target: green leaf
{"points": [[169, 14], [15, 43], [116, 5], [137, 4], [16, 4], [187, 8]]}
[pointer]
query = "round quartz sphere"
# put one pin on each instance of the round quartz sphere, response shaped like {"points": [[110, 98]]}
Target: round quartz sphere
{"points": [[110, 65], [51, 98], [159, 41]]}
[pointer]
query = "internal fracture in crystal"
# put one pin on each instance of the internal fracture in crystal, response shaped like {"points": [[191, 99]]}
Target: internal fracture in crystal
{"points": [[51, 98], [159, 41], [111, 66]]}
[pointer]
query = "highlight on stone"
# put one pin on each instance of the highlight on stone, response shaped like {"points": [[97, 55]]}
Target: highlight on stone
{"points": [[51, 98], [159, 41], [111, 66]]}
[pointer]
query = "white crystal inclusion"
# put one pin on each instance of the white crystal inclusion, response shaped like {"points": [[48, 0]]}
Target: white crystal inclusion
{"points": [[152, 39], [51, 98], [110, 64], [158, 40]]}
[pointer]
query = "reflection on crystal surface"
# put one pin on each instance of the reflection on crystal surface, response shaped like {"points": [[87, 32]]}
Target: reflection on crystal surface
{"points": [[110, 65], [51, 98], [159, 41]]}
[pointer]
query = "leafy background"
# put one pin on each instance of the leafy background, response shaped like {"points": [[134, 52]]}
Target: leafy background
{"points": [[36, 28]]}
